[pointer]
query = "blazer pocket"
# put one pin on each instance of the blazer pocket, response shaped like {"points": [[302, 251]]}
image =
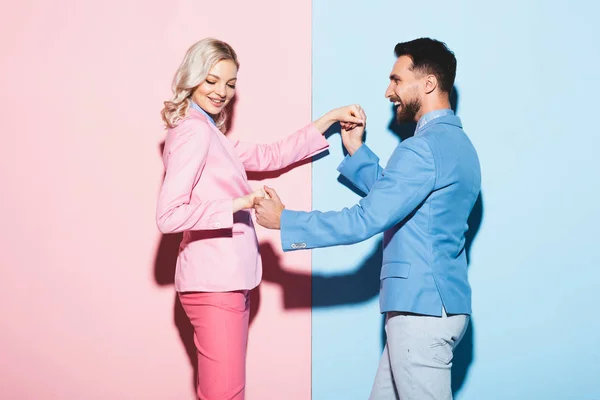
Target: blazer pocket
{"points": [[395, 270]]}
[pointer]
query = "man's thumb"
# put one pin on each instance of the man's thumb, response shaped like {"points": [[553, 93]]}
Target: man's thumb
{"points": [[272, 193]]}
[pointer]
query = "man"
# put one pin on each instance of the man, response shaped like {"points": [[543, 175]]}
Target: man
{"points": [[421, 201]]}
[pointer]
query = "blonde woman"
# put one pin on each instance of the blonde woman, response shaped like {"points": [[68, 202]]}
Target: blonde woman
{"points": [[206, 195]]}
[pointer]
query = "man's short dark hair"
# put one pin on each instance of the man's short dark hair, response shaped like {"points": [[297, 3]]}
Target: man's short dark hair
{"points": [[431, 56]]}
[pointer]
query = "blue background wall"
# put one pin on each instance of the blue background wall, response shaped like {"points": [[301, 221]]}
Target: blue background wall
{"points": [[527, 92]]}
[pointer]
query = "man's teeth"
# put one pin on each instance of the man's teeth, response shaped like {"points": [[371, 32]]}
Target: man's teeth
{"points": [[396, 103]]}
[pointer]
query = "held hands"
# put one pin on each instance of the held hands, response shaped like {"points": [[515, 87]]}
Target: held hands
{"points": [[267, 205], [349, 115], [268, 209], [352, 134]]}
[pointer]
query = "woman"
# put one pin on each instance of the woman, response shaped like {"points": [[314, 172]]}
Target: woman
{"points": [[206, 195]]}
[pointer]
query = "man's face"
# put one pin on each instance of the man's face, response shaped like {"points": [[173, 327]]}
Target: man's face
{"points": [[404, 90]]}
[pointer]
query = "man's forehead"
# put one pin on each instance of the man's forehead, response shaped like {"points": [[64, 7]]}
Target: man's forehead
{"points": [[403, 63]]}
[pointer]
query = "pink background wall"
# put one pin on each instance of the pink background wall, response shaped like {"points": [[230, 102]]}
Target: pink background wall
{"points": [[86, 295]]}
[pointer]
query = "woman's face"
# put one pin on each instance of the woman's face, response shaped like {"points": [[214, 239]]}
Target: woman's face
{"points": [[218, 89]]}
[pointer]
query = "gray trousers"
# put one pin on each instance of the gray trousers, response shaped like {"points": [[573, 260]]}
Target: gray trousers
{"points": [[417, 358]]}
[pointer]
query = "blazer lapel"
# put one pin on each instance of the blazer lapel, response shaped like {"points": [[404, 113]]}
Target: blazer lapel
{"points": [[225, 143], [228, 146]]}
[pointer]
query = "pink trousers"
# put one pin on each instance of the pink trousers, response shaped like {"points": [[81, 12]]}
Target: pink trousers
{"points": [[220, 323]]}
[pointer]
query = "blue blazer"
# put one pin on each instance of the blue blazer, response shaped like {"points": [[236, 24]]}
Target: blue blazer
{"points": [[421, 201]]}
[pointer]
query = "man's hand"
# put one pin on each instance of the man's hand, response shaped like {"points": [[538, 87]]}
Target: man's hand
{"points": [[268, 211], [352, 134]]}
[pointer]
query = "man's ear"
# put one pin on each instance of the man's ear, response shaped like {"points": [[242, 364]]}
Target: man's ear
{"points": [[431, 83]]}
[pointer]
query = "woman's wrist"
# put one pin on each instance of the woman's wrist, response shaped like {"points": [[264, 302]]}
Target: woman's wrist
{"points": [[324, 122], [238, 204]]}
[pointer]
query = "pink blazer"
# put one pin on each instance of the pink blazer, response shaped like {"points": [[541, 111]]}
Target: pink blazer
{"points": [[205, 171]]}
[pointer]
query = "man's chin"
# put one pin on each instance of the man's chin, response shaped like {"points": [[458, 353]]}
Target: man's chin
{"points": [[402, 119]]}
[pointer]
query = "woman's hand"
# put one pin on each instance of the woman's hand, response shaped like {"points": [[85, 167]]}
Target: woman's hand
{"points": [[247, 201], [350, 116]]}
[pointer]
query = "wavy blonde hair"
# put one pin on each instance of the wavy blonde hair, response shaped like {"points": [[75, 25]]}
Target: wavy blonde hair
{"points": [[194, 69]]}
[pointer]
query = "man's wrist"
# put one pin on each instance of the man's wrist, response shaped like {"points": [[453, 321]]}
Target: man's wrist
{"points": [[279, 218], [353, 147]]}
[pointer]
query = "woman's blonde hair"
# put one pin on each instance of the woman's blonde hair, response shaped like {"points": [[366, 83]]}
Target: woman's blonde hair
{"points": [[194, 69]]}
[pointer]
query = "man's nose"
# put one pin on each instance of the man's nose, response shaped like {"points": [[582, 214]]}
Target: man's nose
{"points": [[389, 92]]}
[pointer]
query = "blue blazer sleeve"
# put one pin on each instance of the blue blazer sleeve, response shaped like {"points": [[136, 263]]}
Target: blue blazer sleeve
{"points": [[362, 168], [405, 183]]}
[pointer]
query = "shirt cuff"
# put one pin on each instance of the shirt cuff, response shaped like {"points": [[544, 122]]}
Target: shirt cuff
{"points": [[350, 163], [222, 218], [287, 230]]}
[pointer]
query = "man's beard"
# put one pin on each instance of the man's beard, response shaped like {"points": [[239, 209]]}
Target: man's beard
{"points": [[407, 112]]}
